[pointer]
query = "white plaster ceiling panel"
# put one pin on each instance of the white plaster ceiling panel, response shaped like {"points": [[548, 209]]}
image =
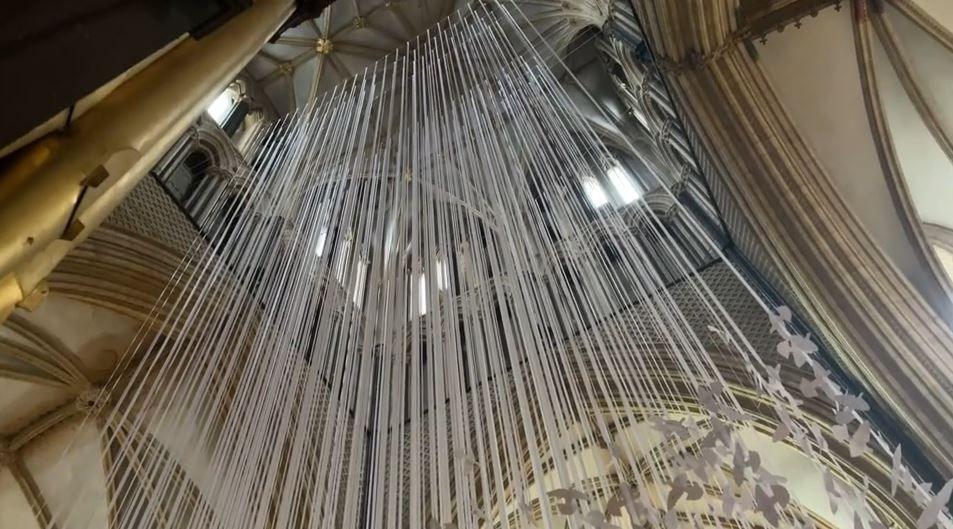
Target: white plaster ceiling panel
{"points": [[94, 334], [61, 335], [22, 402], [68, 345], [187, 448], [939, 10], [930, 62], [802, 477], [926, 169], [15, 511], [67, 465], [814, 72]]}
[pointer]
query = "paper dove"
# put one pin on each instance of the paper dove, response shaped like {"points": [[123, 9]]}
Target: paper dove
{"points": [[819, 438], [468, 461], [711, 456], [525, 507], [693, 429], [682, 487], [809, 387], [733, 414], [570, 497], [719, 432], [775, 385], [746, 501], [873, 524], [781, 433], [858, 442], [671, 520], [820, 383], [804, 441], [728, 502], [840, 432], [833, 492], [711, 391], [568, 494], [768, 481], [742, 461], [770, 504], [668, 427], [780, 321], [858, 523], [895, 472], [798, 348], [932, 512], [822, 380], [614, 506], [786, 426], [597, 520], [847, 405], [616, 451], [699, 465], [624, 497]]}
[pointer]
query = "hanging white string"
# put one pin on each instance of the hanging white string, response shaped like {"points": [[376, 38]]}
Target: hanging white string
{"points": [[412, 316]]}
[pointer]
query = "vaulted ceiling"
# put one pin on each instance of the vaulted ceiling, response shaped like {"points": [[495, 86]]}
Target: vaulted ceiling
{"points": [[351, 35], [871, 94]]}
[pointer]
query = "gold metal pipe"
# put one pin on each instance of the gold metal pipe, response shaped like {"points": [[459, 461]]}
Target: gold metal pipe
{"points": [[10, 294], [54, 192]]}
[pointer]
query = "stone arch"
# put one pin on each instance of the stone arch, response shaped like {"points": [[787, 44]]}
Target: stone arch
{"points": [[208, 137]]}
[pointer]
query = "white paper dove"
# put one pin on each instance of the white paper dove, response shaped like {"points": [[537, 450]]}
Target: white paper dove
{"points": [[847, 405], [799, 349], [896, 470], [929, 517], [833, 491], [728, 502], [858, 441], [743, 461], [668, 427], [681, 487], [781, 433], [780, 320], [671, 520], [571, 498], [771, 505], [469, 462], [597, 520]]}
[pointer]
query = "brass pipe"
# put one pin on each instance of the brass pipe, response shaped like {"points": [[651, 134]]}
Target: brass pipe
{"points": [[56, 191]]}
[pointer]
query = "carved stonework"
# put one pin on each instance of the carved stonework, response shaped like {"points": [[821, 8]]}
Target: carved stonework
{"points": [[209, 138], [91, 401]]}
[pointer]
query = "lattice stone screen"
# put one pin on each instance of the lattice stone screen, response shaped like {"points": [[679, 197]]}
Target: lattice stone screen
{"points": [[150, 212]]}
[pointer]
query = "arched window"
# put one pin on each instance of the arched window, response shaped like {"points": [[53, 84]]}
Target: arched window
{"points": [[187, 176], [223, 105], [229, 109]]}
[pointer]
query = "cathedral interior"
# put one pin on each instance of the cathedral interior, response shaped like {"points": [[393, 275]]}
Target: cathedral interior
{"points": [[476, 264]]}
